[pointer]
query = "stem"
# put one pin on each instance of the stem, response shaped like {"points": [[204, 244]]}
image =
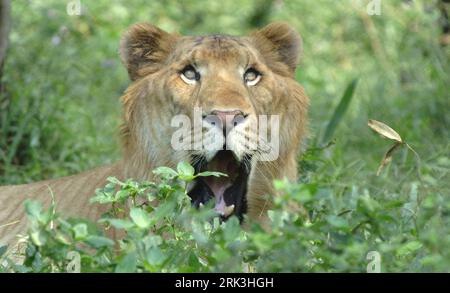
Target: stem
{"points": [[419, 163]]}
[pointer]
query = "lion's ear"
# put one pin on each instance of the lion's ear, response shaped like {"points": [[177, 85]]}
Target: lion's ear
{"points": [[281, 39], [143, 49]]}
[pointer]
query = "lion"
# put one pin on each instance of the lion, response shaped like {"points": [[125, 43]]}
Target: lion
{"points": [[230, 82]]}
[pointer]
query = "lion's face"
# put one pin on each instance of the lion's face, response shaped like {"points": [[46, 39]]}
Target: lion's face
{"points": [[225, 80], [229, 100]]}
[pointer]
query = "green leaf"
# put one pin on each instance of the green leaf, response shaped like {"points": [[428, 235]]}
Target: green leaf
{"points": [[409, 247], [164, 209], [121, 195], [37, 264], [119, 223], [33, 209], [127, 264], [140, 218], [18, 268], [62, 238], [338, 222], [39, 237], [3, 249], [152, 241], [340, 111], [71, 222], [232, 229], [81, 231], [165, 172], [222, 255], [304, 195], [114, 180], [394, 204], [186, 178], [98, 241], [102, 197], [368, 205], [155, 257], [185, 169], [193, 260], [198, 233]]}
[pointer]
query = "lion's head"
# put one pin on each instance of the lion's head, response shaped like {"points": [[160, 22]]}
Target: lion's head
{"points": [[207, 100]]}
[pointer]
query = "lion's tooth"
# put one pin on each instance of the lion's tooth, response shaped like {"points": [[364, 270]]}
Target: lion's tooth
{"points": [[229, 210], [201, 205]]}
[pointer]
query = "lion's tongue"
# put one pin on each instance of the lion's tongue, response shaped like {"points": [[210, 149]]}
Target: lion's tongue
{"points": [[224, 162], [218, 187]]}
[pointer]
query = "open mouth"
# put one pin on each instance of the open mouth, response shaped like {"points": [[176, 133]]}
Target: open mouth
{"points": [[228, 193]]}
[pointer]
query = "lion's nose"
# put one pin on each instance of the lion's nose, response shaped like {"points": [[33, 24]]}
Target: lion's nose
{"points": [[226, 119]]}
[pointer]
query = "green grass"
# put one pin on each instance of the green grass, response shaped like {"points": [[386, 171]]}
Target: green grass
{"points": [[64, 80]]}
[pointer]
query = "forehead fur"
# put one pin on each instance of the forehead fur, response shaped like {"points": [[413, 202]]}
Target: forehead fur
{"points": [[212, 47]]}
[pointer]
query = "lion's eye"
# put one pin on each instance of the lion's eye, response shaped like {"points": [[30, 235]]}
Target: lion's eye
{"points": [[252, 76], [189, 75]]}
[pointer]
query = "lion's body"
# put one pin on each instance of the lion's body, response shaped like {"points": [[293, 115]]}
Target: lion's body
{"points": [[154, 60], [71, 195]]}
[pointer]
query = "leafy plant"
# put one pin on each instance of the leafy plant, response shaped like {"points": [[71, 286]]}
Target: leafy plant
{"points": [[334, 235], [387, 132]]}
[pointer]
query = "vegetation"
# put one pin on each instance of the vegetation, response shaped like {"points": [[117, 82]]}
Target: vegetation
{"points": [[62, 74], [173, 237]]}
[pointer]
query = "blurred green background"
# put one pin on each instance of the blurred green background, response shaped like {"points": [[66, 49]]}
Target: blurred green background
{"points": [[61, 111]]}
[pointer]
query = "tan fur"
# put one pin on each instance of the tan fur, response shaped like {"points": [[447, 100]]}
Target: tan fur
{"points": [[71, 196], [153, 59]]}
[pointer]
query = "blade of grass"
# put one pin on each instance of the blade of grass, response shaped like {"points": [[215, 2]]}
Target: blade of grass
{"points": [[340, 111]]}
